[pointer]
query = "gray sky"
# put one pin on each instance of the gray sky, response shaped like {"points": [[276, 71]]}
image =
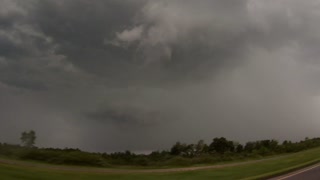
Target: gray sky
{"points": [[110, 75]]}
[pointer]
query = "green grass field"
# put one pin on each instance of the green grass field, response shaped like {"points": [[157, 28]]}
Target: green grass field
{"points": [[248, 171]]}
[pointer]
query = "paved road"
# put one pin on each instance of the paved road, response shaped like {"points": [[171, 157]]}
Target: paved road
{"points": [[308, 173]]}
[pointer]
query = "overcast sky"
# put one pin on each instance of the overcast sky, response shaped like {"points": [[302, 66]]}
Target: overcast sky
{"points": [[111, 75]]}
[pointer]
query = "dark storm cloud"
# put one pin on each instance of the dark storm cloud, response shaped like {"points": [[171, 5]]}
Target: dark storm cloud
{"points": [[144, 74], [89, 27], [22, 83], [126, 116], [81, 26]]}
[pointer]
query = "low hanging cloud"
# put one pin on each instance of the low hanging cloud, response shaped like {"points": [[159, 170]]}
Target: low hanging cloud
{"points": [[145, 74], [130, 35], [162, 26]]}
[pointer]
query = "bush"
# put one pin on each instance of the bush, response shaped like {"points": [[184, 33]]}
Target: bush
{"points": [[61, 157]]}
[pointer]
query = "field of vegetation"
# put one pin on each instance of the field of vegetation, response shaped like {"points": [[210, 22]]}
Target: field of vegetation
{"points": [[181, 154], [221, 159], [255, 170]]}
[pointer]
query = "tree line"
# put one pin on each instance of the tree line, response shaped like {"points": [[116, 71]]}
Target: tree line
{"points": [[220, 149], [222, 146]]}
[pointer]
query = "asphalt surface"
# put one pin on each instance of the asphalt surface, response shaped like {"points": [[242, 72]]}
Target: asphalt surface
{"points": [[308, 173]]}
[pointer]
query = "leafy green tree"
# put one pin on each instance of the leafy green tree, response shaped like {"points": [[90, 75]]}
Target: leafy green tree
{"points": [[177, 149], [189, 150], [221, 145], [28, 138], [201, 147], [250, 146], [239, 148], [274, 145]]}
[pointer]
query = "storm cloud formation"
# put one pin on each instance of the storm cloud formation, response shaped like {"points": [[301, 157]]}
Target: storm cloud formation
{"points": [[109, 75]]}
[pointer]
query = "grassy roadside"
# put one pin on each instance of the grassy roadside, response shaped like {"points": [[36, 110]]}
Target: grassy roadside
{"points": [[35, 163], [249, 171], [284, 171]]}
